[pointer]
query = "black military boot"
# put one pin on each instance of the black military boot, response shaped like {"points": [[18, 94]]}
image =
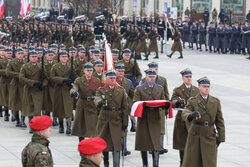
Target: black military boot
{"points": [[6, 115], [181, 153], [1, 111], [146, 57], [181, 57], [61, 127], [23, 125], [170, 55], [106, 158], [125, 150], [156, 56], [81, 138], [133, 126], [155, 155], [144, 157], [163, 150], [18, 123], [54, 123], [116, 158], [13, 117], [68, 130], [138, 56]]}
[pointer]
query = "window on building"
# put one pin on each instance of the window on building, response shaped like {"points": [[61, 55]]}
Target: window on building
{"points": [[179, 5], [236, 6], [201, 5]]}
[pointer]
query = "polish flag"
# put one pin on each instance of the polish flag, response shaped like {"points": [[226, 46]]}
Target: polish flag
{"points": [[24, 7], [137, 107], [2, 8], [108, 60]]}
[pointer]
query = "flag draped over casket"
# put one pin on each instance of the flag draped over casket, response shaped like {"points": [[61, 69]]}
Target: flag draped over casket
{"points": [[137, 108]]}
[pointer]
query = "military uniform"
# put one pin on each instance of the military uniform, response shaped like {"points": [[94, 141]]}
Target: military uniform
{"points": [[37, 153], [204, 115], [87, 163], [153, 46], [86, 112]]}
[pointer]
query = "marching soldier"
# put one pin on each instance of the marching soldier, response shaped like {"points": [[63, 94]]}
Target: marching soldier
{"points": [[86, 112], [80, 61], [62, 75], [177, 43], [130, 66], [123, 24], [115, 56], [148, 132], [141, 46], [37, 152], [153, 46], [128, 86], [31, 76], [179, 98], [161, 27], [113, 117], [204, 113], [5, 83], [16, 88]]}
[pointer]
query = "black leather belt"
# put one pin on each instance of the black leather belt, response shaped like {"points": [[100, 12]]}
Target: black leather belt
{"points": [[111, 109], [90, 98], [203, 123]]}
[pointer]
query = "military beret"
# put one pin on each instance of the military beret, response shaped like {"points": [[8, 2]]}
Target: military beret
{"points": [[150, 72], [153, 65], [40, 123], [92, 146], [82, 49], [115, 52], [186, 72], [204, 81], [120, 67], [72, 49], [98, 63], [33, 53], [19, 50], [63, 53], [88, 66], [110, 73], [8, 50], [126, 51]]}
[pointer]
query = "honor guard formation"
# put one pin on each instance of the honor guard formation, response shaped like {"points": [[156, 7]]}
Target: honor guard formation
{"points": [[49, 69]]}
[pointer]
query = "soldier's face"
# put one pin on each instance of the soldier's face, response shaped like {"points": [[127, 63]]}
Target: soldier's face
{"points": [[98, 69], [88, 73], [187, 80], [119, 73], [40, 55], [63, 59], [111, 81], [33, 59], [204, 90], [19, 56], [50, 57], [96, 158], [126, 57], [81, 55], [115, 57], [8, 55], [150, 79], [95, 57]]}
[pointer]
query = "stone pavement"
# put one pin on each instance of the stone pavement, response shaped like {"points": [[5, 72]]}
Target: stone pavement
{"points": [[230, 78]]}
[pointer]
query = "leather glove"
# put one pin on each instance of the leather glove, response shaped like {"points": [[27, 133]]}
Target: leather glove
{"points": [[144, 106], [192, 116], [124, 127], [74, 94], [67, 81], [180, 103], [167, 105], [38, 84], [101, 103], [217, 142]]}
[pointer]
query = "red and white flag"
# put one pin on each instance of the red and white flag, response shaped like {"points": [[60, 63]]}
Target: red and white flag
{"points": [[24, 8], [2, 8], [137, 107], [108, 60]]}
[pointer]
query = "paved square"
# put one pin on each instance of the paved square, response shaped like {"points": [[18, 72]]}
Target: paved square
{"points": [[230, 78]]}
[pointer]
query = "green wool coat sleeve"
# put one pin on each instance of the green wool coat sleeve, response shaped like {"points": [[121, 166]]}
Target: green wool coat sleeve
{"points": [[187, 111], [10, 73], [55, 79], [23, 78], [219, 122]]}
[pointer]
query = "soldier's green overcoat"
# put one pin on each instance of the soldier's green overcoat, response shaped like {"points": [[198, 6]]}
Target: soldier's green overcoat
{"points": [[4, 83], [85, 162], [200, 149]]}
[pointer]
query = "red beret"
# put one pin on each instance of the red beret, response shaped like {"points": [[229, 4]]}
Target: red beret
{"points": [[40, 123], [91, 146]]}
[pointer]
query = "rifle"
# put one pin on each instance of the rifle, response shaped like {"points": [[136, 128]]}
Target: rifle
{"points": [[42, 70], [61, 33], [38, 33], [71, 70], [123, 139]]}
